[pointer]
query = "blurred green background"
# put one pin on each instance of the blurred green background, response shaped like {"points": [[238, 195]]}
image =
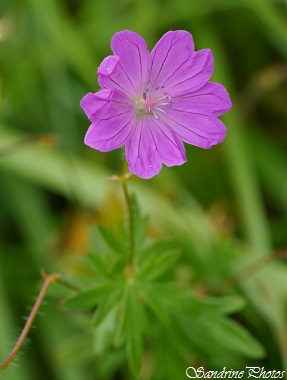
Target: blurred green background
{"points": [[227, 207]]}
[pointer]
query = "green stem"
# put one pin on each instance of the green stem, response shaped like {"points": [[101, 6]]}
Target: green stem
{"points": [[48, 281], [130, 213]]}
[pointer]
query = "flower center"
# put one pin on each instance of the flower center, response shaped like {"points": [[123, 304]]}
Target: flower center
{"points": [[153, 102]]}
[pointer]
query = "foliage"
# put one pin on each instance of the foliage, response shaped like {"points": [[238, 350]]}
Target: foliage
{"points": [[138, 304]]}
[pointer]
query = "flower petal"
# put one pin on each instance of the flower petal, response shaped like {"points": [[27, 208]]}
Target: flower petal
{"points": [[129, 67], [112, 124], [172, 51], [151, 146], [142, 156], [176, 66], [168, 145], [199, 130], [193, 75], [211, 99], [93, 104]]}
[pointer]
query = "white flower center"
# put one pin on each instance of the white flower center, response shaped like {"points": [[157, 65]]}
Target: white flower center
{"points": [[153, 102]]}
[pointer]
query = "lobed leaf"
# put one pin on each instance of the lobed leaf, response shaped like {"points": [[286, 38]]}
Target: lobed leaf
{"points": [[133, 326], [157, 265], [117, 242], [92, 296], [109, 303]]}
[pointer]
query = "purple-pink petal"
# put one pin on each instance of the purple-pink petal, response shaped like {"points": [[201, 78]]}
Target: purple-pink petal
{"points": [[93, 104], [193, 75], [195, 129], [169, 147], [111, 130], [152, 145], [172, 52], [108, 66], [129, 73], [211, 99], [141, 153]]}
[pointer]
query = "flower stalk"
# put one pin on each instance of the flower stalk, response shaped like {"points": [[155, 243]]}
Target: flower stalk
{"points": [[48, 280], [123, 179]]}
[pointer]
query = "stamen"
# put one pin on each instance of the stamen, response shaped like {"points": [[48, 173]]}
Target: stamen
{"points": [[165, 100], [159, 109], [159, 87], [167, 95], [154, 103], [155, 115]]}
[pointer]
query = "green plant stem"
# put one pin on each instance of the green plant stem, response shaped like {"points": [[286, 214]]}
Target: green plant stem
{"points": [[49, 279], [130, 213], [68, 284]]}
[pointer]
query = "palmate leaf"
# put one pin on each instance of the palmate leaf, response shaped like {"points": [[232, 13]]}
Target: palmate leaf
{"points": [[104, 333], [92, 296], [171, 296], [160, 312], [158, 259], [134, 322], [224, 336], [107, 304], [201, 320], [96, 260], [131, 324], [116, 239], [219, 305], [157, 247], [236, 338], [157, 266]]}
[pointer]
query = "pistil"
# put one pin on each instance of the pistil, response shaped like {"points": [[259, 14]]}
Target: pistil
{"points": [[153, 101]]}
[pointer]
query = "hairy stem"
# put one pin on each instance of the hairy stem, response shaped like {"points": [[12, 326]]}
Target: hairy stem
{"points": [[48, 280], [130, 213]]}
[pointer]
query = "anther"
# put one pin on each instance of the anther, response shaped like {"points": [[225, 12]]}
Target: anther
{"points": [[159, 87]]}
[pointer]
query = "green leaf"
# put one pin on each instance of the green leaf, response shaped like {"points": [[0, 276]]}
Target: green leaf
{"points": [[167, 297], [218, 305], [152, 301], [115, 239], [104, 333], [91, 296], [107, 305], [96, 260], [157, 248], [214, 336], [231, 336], [158, 265], [133, 327]]}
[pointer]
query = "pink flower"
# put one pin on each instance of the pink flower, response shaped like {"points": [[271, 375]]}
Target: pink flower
{"points": [[153, 102]]}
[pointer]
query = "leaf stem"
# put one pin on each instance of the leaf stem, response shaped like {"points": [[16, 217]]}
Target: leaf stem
{"points": [[123, 178], [48, 280]]}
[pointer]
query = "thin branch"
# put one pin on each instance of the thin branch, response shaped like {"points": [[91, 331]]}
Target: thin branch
{"points": [[49, 279]]}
